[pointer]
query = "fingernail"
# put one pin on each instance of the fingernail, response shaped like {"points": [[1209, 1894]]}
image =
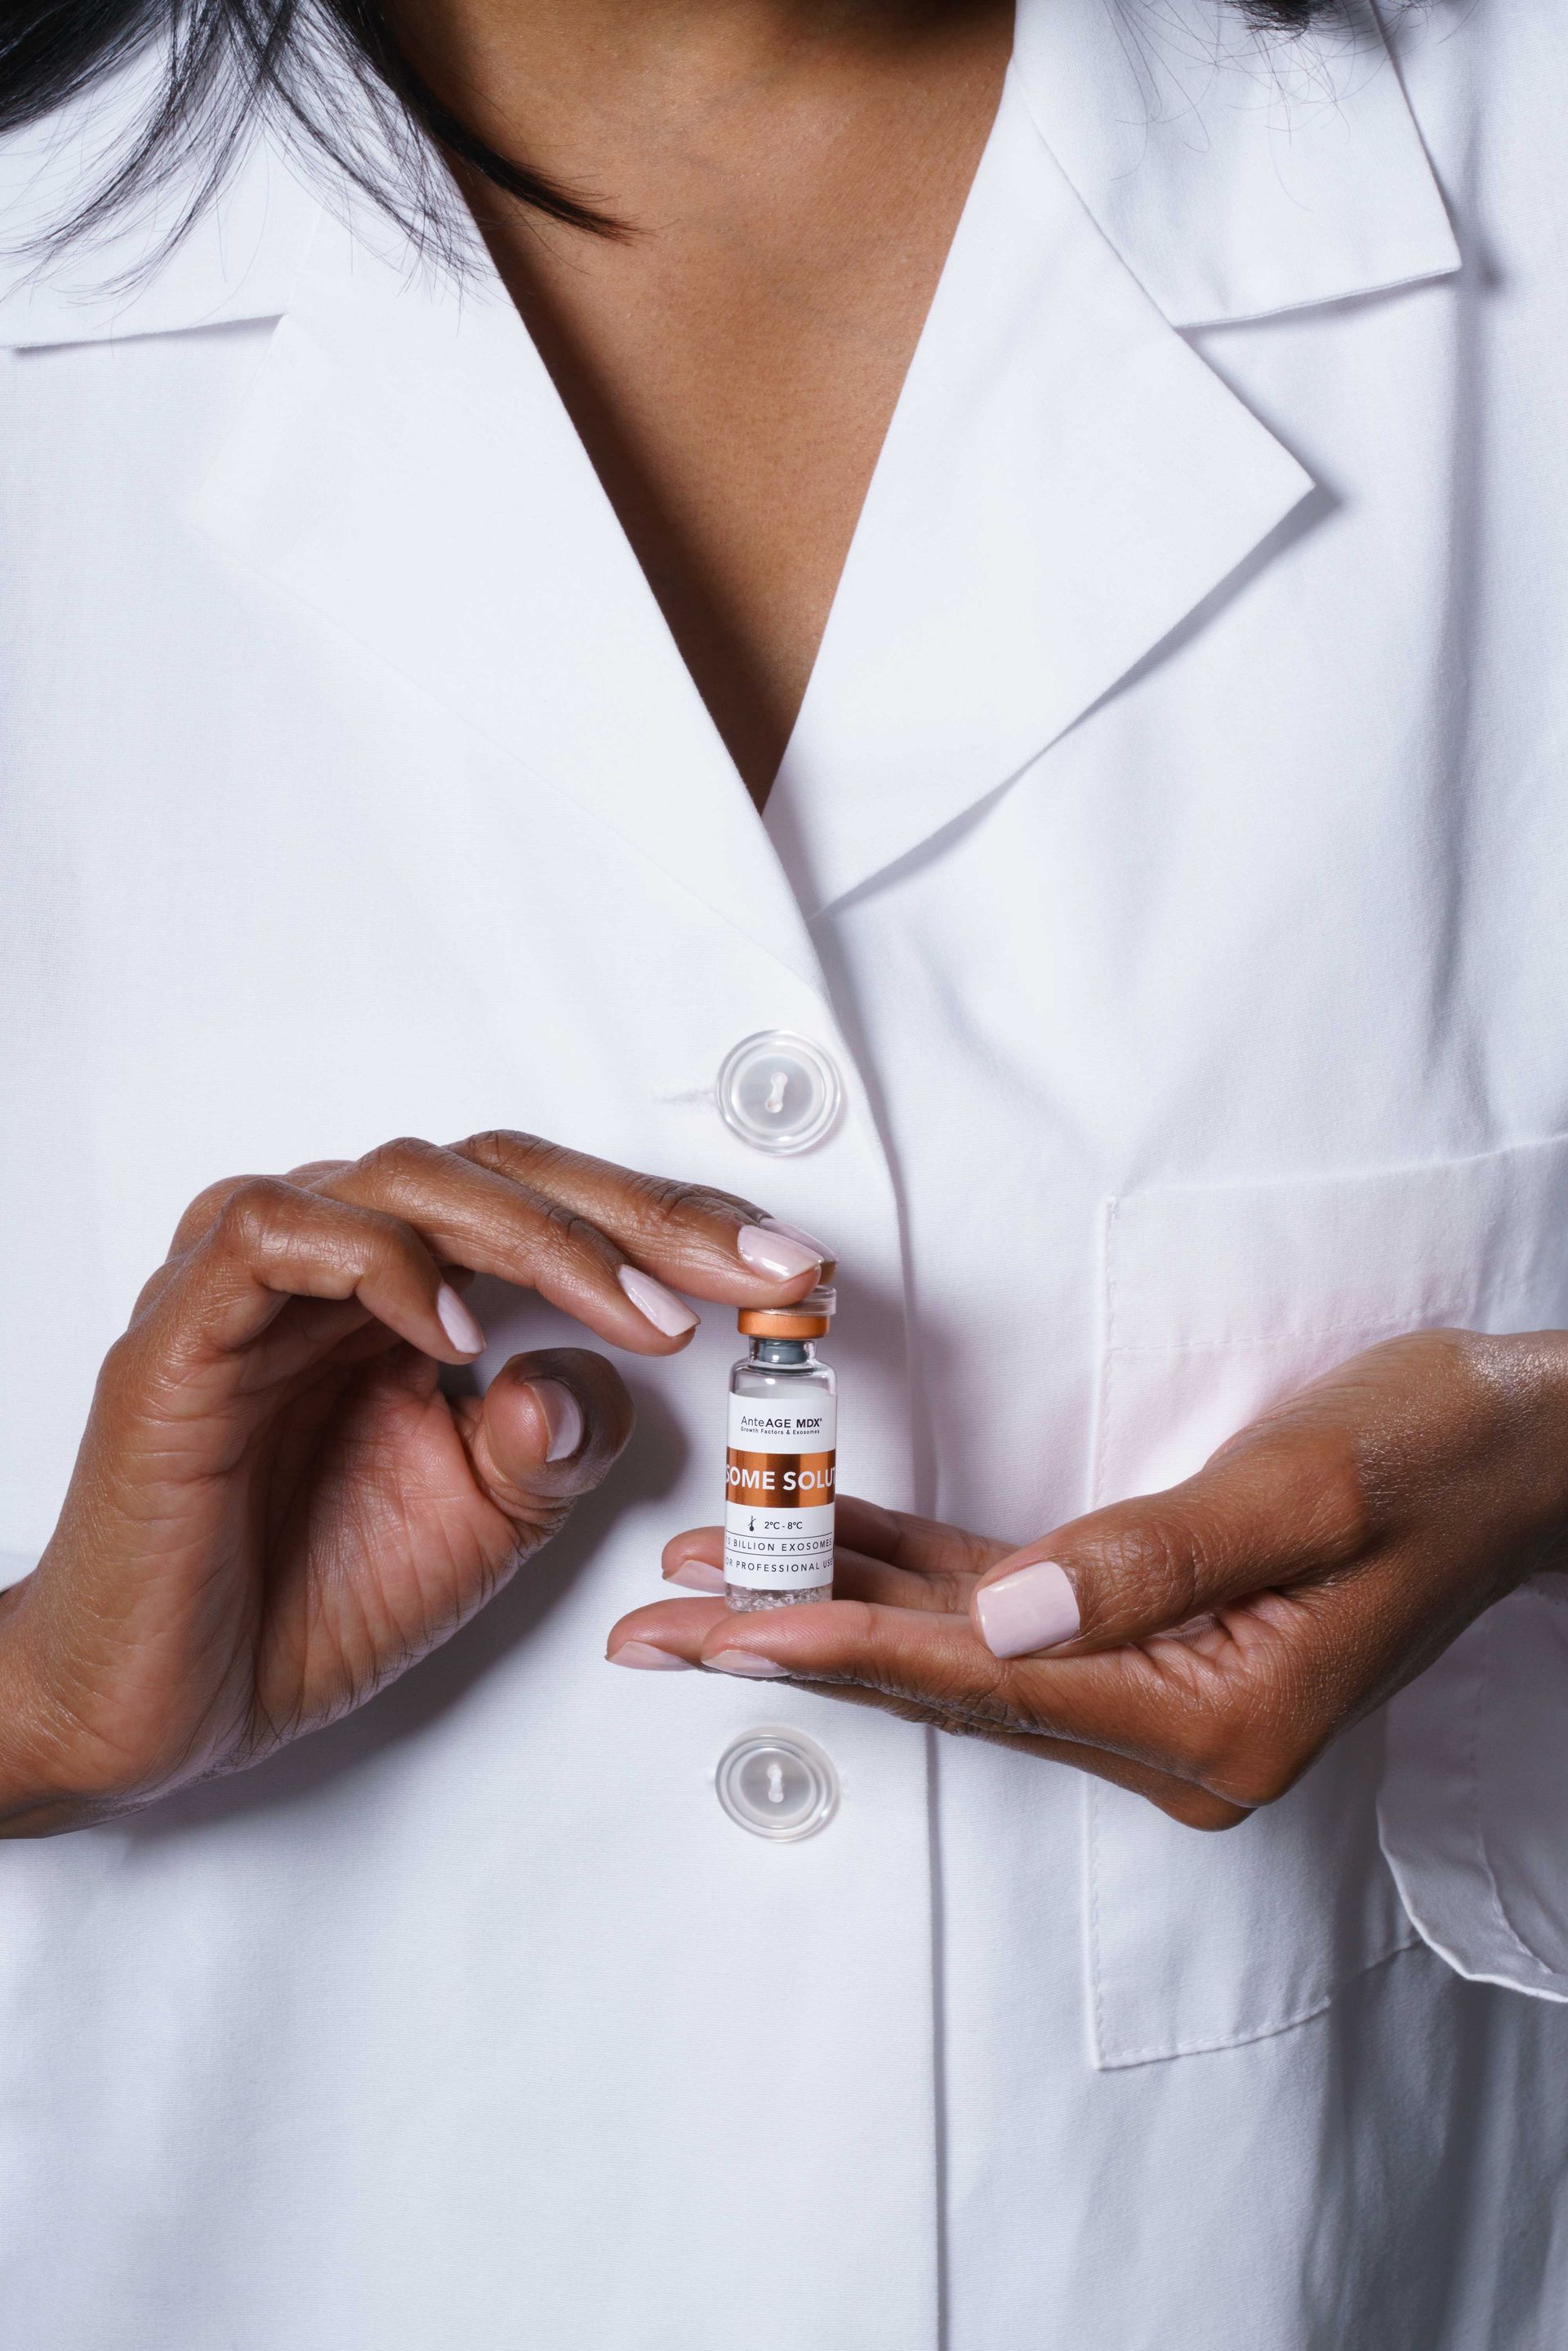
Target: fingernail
{"points": [[827, 1258], [768, 1249], [1031, 1609], [457, 1323], [563, 1417], [697, 1575], [746, 1661], [662, 1306], [643, 1653]]}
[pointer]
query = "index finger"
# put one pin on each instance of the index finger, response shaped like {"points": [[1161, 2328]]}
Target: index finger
{"points": [[608, 1245], [711, 1244]]}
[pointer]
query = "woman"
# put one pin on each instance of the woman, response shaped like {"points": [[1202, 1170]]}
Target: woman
{"points": [[1126, 927]]}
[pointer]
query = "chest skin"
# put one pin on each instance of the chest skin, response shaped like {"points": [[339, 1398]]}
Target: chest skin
{"points": [[732, 359]]}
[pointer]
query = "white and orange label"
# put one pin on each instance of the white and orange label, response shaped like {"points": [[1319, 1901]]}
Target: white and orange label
{"points": [[779, 1491]]}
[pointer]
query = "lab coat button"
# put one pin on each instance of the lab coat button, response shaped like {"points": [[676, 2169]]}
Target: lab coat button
{"points": [[779, 1092], [777, 1784]]}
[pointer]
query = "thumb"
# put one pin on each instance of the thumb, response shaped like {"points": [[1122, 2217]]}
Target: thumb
{"points": [[1273, 1508], [549, 1428]]}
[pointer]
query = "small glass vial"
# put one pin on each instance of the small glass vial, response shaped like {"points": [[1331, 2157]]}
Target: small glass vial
{"points": [[783, 1454]]}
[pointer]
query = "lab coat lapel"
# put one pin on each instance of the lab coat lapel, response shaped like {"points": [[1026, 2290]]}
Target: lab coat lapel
{"points": [[403, 467], [1063, 482], [1238, 172], [160, 269]]}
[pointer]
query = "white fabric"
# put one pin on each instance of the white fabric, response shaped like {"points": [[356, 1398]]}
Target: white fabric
{"points": [[1234, 175], [1172, 854]]}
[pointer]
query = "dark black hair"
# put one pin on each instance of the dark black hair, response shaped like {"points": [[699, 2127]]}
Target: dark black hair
{"points": [[217, 64]]}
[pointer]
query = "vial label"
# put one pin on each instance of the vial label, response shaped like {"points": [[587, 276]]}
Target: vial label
{"points": [[778, 1499]]}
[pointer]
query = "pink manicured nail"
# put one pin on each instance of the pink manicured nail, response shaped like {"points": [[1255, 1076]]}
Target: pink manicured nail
{"points": [[457, 1323], [746, 1661], [662, 1306], [767, 1249], [697, 1575], [563, 1417], [820, 1249], [643, 1653], [1031, 1609]]}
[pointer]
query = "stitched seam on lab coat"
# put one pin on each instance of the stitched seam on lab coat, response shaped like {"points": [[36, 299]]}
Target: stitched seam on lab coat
{"points": [[1367, 1326], [1408, 1941], [1112, 1350], [1362, 1328], [1109, 2060], [1108, 1286], [1097, 1973], [1472, 1764], [1092, 1804], [1111, 1209]]}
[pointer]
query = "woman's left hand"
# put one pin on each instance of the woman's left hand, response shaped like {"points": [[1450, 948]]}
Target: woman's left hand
{"points": [[1200, 1646]]}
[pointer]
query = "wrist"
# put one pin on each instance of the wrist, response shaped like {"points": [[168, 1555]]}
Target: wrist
{"points": [[42, 1793], [1526, 1375]]}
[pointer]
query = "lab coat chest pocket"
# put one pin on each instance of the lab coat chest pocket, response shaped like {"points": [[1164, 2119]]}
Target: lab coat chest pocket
{"points": [[1216, 1302]]}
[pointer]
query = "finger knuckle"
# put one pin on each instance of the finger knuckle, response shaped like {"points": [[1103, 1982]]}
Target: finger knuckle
{"points": [[366, 1241], [1313, 1469], [982, 1697], [120, 1373], [252, 1213], [1160, 1557], [1469, 1354], [568, 1233], [1338, 1509], [665, 1209], [504, 1150], [1479, 1373], [201, 1212], [401, 1157], [670, 1197], [161, 1280], [659, 1198]]}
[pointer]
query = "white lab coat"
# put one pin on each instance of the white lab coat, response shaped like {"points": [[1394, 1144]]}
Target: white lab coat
{"points": [[1171, 856]]}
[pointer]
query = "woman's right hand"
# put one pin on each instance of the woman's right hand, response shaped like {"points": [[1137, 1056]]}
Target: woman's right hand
{"points": [[275, 1510]]}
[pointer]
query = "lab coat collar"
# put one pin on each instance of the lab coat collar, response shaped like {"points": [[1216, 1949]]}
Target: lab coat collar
{"points": [[237, 259], [401, 467], [1065, 482], [1235, 172]]}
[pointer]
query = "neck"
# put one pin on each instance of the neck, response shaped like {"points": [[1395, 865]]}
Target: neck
{"points": [[574, 83]]}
